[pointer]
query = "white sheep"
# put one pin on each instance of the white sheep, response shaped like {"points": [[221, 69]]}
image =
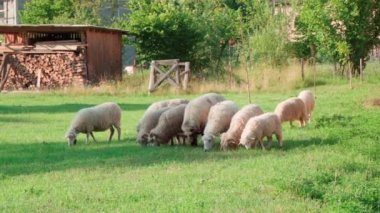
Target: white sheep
{"points": [[148, 122], [292, 109], [231, 138], [168, 126], [219, 119], [98, 118], [308, 98], [161, 104], [261, 126], [196, 113]]}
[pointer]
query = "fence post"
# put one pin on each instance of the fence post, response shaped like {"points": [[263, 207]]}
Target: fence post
{"points": [[151, 77], [186, 77]]}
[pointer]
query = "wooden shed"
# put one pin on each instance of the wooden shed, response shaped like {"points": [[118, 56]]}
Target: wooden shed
{"points": [[52, 56]]}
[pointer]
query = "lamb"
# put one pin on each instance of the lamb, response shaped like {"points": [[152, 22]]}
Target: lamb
{"points": [[308, 98], [219, 119], [292, 109], [97, 118], [169, 125], [231, 138], [261, 126], [196, 114], [148, 122], [162, 104]]}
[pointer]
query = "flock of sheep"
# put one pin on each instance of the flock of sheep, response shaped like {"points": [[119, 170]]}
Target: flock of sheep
{"points": [[210, 115]]}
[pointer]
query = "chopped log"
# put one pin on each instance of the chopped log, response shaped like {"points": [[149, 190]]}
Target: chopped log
{"points": [[45, 71]]}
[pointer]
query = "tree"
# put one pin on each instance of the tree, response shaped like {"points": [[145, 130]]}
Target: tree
{"points": [[44, 11], [264, 33], [342, 30], [62, 12], [162, 30]]}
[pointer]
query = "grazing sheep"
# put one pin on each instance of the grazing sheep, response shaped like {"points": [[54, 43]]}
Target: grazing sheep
{"points": [[308, 98], [231, 138], [219, 119], [196, 113], [168, 126], [261, 126], [148, 122], [290, 110], [98, 118], [161, 104]]}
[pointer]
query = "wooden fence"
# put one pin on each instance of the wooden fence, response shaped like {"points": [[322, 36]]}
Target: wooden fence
{"points": [[169, 71]]}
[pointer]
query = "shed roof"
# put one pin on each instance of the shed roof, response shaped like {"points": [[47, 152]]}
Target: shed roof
{"points": [[47, 28]]}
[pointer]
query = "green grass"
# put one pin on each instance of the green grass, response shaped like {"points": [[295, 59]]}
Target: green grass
{"points": [[332, 165]]}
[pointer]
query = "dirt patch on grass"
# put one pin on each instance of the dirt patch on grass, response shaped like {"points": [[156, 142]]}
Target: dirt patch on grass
{"points": [[373, 103]]}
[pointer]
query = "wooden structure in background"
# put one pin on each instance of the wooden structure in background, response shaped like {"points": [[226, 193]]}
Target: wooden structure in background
{"points": [[52, 56], [169, 71]]}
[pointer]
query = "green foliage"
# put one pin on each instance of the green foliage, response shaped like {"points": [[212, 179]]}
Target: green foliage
{"points": [[61, 12], [264, 33], [163, 31], [299, 49], [345, 31], [195, 32]]}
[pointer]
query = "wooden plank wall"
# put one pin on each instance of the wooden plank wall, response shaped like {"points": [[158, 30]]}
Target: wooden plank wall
{"points": [[103, 55], [15, 39]]}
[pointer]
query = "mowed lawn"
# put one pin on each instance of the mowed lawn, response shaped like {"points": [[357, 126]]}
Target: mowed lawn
{"points": [[332, 165]]}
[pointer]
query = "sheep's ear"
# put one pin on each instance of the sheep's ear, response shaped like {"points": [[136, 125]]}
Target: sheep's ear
{"points": [[152, 136], [145, 136]]}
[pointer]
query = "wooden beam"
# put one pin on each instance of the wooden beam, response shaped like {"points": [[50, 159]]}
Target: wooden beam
{"points": [[167, 62], [166, 76]]}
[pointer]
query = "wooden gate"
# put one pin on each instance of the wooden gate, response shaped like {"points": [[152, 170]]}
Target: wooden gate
{"points": [[169, 71]]}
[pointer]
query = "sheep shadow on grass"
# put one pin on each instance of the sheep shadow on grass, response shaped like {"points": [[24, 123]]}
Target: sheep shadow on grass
{"points": [[20, 159], [62, 108]]}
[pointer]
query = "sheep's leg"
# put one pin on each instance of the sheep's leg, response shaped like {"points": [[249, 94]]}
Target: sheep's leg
{"points": [[92, 135], [118, 132], [262, 144], [87, 134], [112, 130], [269, 145], [301, 122], [171, 141], [291, 123], [279, 138], [194, 141]]}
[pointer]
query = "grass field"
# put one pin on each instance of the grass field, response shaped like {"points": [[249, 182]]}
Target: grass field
{"points": [[332, 165]]}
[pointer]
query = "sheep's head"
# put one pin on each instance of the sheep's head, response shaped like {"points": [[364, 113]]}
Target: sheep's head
{"points": [[228, 143], [189, 128], [71, 138], [155, 139], [143, 139], [208, 141], [249, 143]]}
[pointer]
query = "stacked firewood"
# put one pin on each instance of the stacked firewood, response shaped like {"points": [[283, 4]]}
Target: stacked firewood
{"points": [[45, 71]]}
